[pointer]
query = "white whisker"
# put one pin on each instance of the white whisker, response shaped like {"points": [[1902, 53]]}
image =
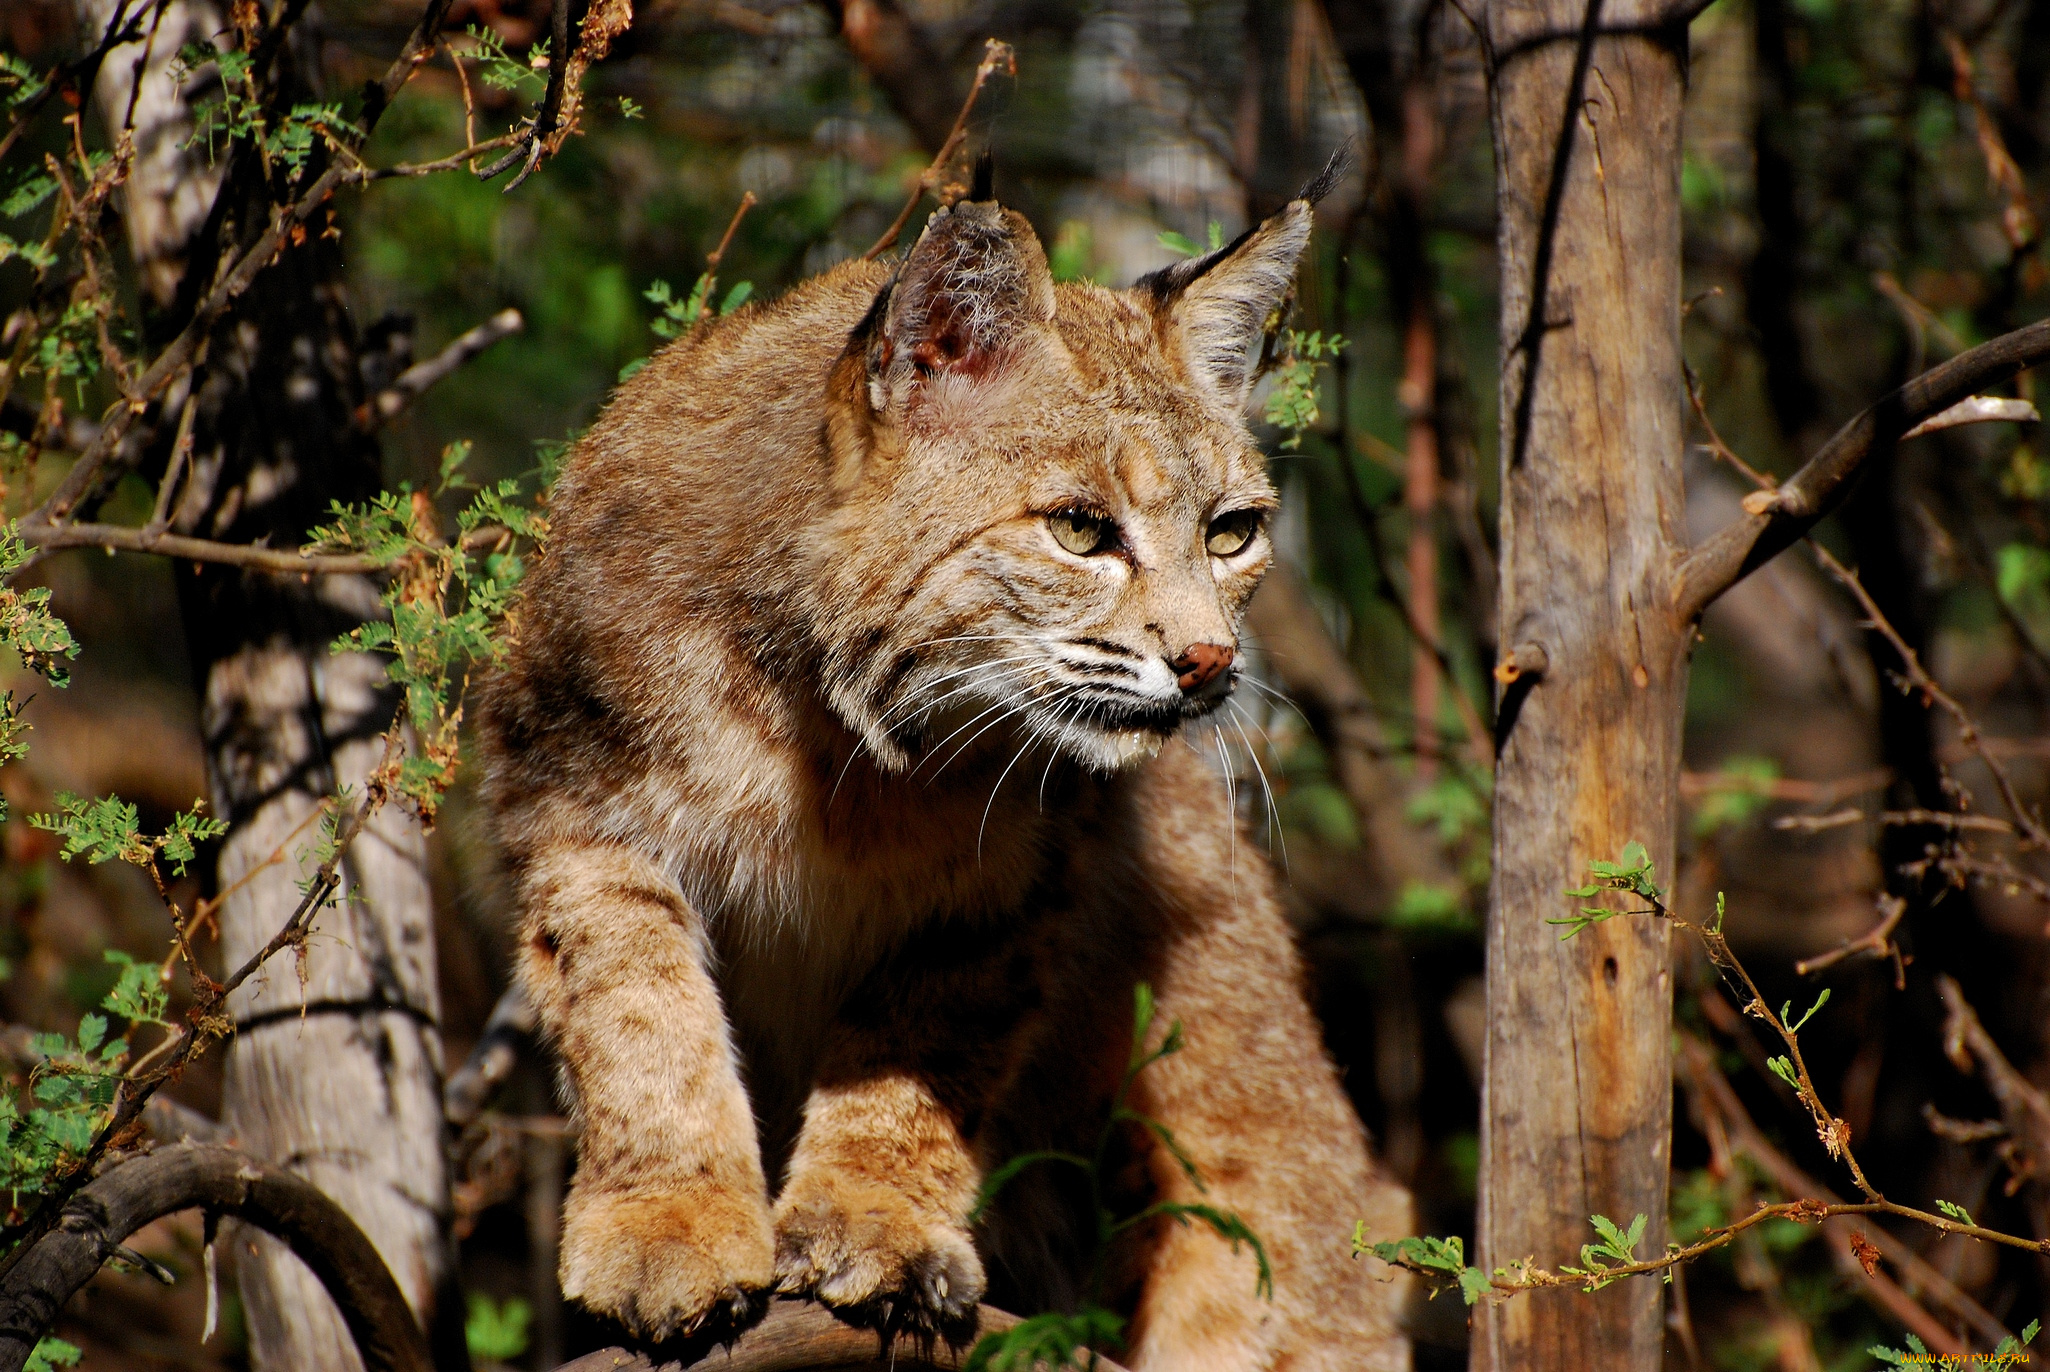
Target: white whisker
{"points": [[1273, 810]]}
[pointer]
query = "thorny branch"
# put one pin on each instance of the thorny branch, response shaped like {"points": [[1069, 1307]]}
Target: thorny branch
{"points": [[1958, 863], [285, 219], [1792, 1068], [1771, 524], [995, 55], [204, 1021]]}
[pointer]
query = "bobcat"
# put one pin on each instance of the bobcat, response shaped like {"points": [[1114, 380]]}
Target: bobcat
{"points": [[837, 767]]}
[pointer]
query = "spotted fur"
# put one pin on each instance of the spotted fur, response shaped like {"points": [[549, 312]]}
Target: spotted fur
{"points": [[847, 805]]}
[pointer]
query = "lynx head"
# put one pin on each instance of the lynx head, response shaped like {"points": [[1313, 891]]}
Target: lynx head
{"points": [[1047, 511]]}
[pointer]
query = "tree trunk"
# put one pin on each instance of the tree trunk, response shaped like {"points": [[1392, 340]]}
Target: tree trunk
{"points": [[335, 1069], [1578, 1097]]}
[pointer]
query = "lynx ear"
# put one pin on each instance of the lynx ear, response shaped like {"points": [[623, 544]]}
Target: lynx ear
{"points": [[1220, 304], [975, 282]]}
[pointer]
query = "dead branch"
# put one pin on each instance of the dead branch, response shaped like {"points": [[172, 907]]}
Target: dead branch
{"points": [[1761, 534], [223, 1182], [473, 1084], [413, 382], [230, 284], [995, 54], [204, 1022], [284, 561], [797, 1335], [2024, 1109], [1878, 941], [1710, 1090]]}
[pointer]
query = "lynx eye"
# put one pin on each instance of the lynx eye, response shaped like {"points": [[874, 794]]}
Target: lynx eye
{"points": [[1081, 532], [1230, 533]]}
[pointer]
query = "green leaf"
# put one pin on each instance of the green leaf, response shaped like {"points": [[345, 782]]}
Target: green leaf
{"points": [[1003, 1176], [92, 1032], [1178, 243], [496, 1333], [51, 1353], [1783, 1068], [1046, 1343], [1473, 1284], [736, 297], [1956, 1212]]}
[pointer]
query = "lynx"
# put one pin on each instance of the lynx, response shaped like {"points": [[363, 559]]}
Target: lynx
{"points": [[844, 770]]}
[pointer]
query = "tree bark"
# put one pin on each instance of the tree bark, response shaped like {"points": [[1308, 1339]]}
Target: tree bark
{"points": [[335, 1070], [1577, 1104]]}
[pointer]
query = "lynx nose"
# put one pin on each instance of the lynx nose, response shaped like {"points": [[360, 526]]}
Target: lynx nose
{"points": [[1200, 664]]}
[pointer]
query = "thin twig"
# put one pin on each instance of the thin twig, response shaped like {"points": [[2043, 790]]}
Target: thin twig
{"points": [[718, 254], [231, 283], [410, 384], [204, 1022], [995, 54], [1878, 940], [285, 561]]}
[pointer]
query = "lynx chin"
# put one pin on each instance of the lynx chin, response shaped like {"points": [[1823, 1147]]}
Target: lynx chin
{"points": [[840, 769]]}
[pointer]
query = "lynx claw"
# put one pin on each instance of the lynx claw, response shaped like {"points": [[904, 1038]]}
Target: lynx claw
{"points": [[875, 1263], [668, 1267]]}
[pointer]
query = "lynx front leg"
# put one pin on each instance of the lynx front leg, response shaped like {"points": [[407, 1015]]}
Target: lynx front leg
{"points": [[667, 1224], [873, 1220]]}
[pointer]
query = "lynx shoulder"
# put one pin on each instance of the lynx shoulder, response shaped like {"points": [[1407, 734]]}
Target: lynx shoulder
{"points": [[845, 770]]}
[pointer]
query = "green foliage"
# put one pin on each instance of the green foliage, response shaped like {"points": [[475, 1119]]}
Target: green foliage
{"points": [[1181, 243], [1072, 256], [1056, 1341], [69, 349], [50, 1354], [1697, 1203], [2007, 1353], [500, 69], [1453, 804], [1794, 1025], [678, 317], [1292, 405], [1324, 810], [32, 190], [497, 1333], [1052, 1340], [1633, 876], [628, 109], [1741, 788], [1429, 1256], [1423, 907], [109, 830], [235, 110], [1615, 1248], [19, 82], [1956, 1212], [447, 606], [70, 1095], [35, 254]]}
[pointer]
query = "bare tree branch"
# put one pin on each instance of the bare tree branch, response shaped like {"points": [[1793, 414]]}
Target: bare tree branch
{"points": [[223, 1182], [1796, 506], [799, 1335], [413, 382]]}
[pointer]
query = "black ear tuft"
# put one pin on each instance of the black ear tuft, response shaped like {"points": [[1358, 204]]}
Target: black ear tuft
{"points": [[1324, 182], [983, 186]]}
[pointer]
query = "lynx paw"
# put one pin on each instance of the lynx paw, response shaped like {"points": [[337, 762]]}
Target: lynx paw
{"points": [[667, 1265], [863, 1250]]}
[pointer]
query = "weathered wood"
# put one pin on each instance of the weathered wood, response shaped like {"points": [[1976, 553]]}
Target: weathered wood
{"points": [[227, 1182], [1578, 1097], [800, 1336]]}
